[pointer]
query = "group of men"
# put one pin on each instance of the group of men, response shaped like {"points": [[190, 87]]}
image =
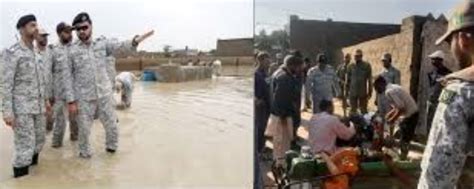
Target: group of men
{"points": [[68, 80], [450, 107]]}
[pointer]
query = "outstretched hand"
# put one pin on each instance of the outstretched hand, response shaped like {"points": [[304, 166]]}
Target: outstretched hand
{"points": [[144, 36]]}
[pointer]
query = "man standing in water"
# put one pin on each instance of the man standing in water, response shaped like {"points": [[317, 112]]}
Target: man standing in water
{"points": [[24, 97], [124, 87], [449, 150], [45, 53], [60, 66], [88, 87]]}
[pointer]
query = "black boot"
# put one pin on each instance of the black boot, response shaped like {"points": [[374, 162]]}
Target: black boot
{"points": [[20, 171], [34, 160]]}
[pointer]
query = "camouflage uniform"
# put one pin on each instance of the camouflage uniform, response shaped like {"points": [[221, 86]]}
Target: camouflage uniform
{"points": [[46, 57], [111, 72], [323, 84], [59, 66], [450, 146], [358, 76], [24, 97], [342, 74], [126, 78], [91, 88], [392, 76]]}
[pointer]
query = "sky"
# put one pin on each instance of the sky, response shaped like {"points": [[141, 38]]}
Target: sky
{"points": [[274, 14], [179, 23], [199, 23]]}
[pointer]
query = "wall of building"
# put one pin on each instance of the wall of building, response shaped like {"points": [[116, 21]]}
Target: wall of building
{"points": [[432, 30], [410, 49], [314, 36], [235, 47], [400, 45], [124, 64]]}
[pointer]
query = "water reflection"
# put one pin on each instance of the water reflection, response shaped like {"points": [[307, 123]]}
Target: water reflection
{"points": [[175, 135]]}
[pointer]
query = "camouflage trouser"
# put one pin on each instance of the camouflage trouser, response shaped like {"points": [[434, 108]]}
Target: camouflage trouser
{"points": [[358, 103], [105, 108], [49, 122], [60, 121], [29, 137]]}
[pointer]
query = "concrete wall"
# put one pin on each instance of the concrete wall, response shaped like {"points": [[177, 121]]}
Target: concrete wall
{"points": [[400, 45], [124, 64], [314, 36], [410, 49], [177, 73], [432, 30], [235, 47]]}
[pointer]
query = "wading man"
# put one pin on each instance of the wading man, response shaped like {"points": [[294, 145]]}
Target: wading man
{"points": [[88, 88], [59, 67], [24, 97]]}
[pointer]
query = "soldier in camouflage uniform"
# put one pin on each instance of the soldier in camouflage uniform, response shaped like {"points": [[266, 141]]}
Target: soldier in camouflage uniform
{"points": [[45, 53], [111, 70], [88, 89], [24, 97], [359, 84], [60, 65], [449, 154], [342, 75], [323, 82]]}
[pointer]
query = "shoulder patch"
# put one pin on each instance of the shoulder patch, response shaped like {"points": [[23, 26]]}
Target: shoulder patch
{"points": [[447, 96], [13, 48]]}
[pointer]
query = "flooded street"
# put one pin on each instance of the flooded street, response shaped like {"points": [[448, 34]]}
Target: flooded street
{"points": [[192, 134]]}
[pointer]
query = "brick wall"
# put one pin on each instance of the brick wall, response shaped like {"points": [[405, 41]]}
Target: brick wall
{"points": [[314, 36], [235, 47], [410, 49], [432, 30], [124, 64]]}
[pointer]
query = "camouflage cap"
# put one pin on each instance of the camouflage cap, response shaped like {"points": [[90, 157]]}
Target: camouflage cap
{"points": [[462, 17]]}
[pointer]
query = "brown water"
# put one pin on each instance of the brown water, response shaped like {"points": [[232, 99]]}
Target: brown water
{"points": [[178, 135]]}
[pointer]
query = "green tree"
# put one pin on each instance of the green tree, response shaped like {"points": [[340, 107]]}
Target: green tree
{"points": [[277, 41], [167, 51]]}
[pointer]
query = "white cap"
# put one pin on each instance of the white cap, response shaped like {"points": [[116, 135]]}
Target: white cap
{"points": [[437, 54], [41, 31]]}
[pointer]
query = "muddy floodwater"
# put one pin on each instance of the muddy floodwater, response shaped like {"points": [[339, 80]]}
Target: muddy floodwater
{"points": [[192, 134]]}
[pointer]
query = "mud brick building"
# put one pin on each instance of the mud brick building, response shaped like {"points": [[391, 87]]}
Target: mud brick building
{"points": [[410, 43]]}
